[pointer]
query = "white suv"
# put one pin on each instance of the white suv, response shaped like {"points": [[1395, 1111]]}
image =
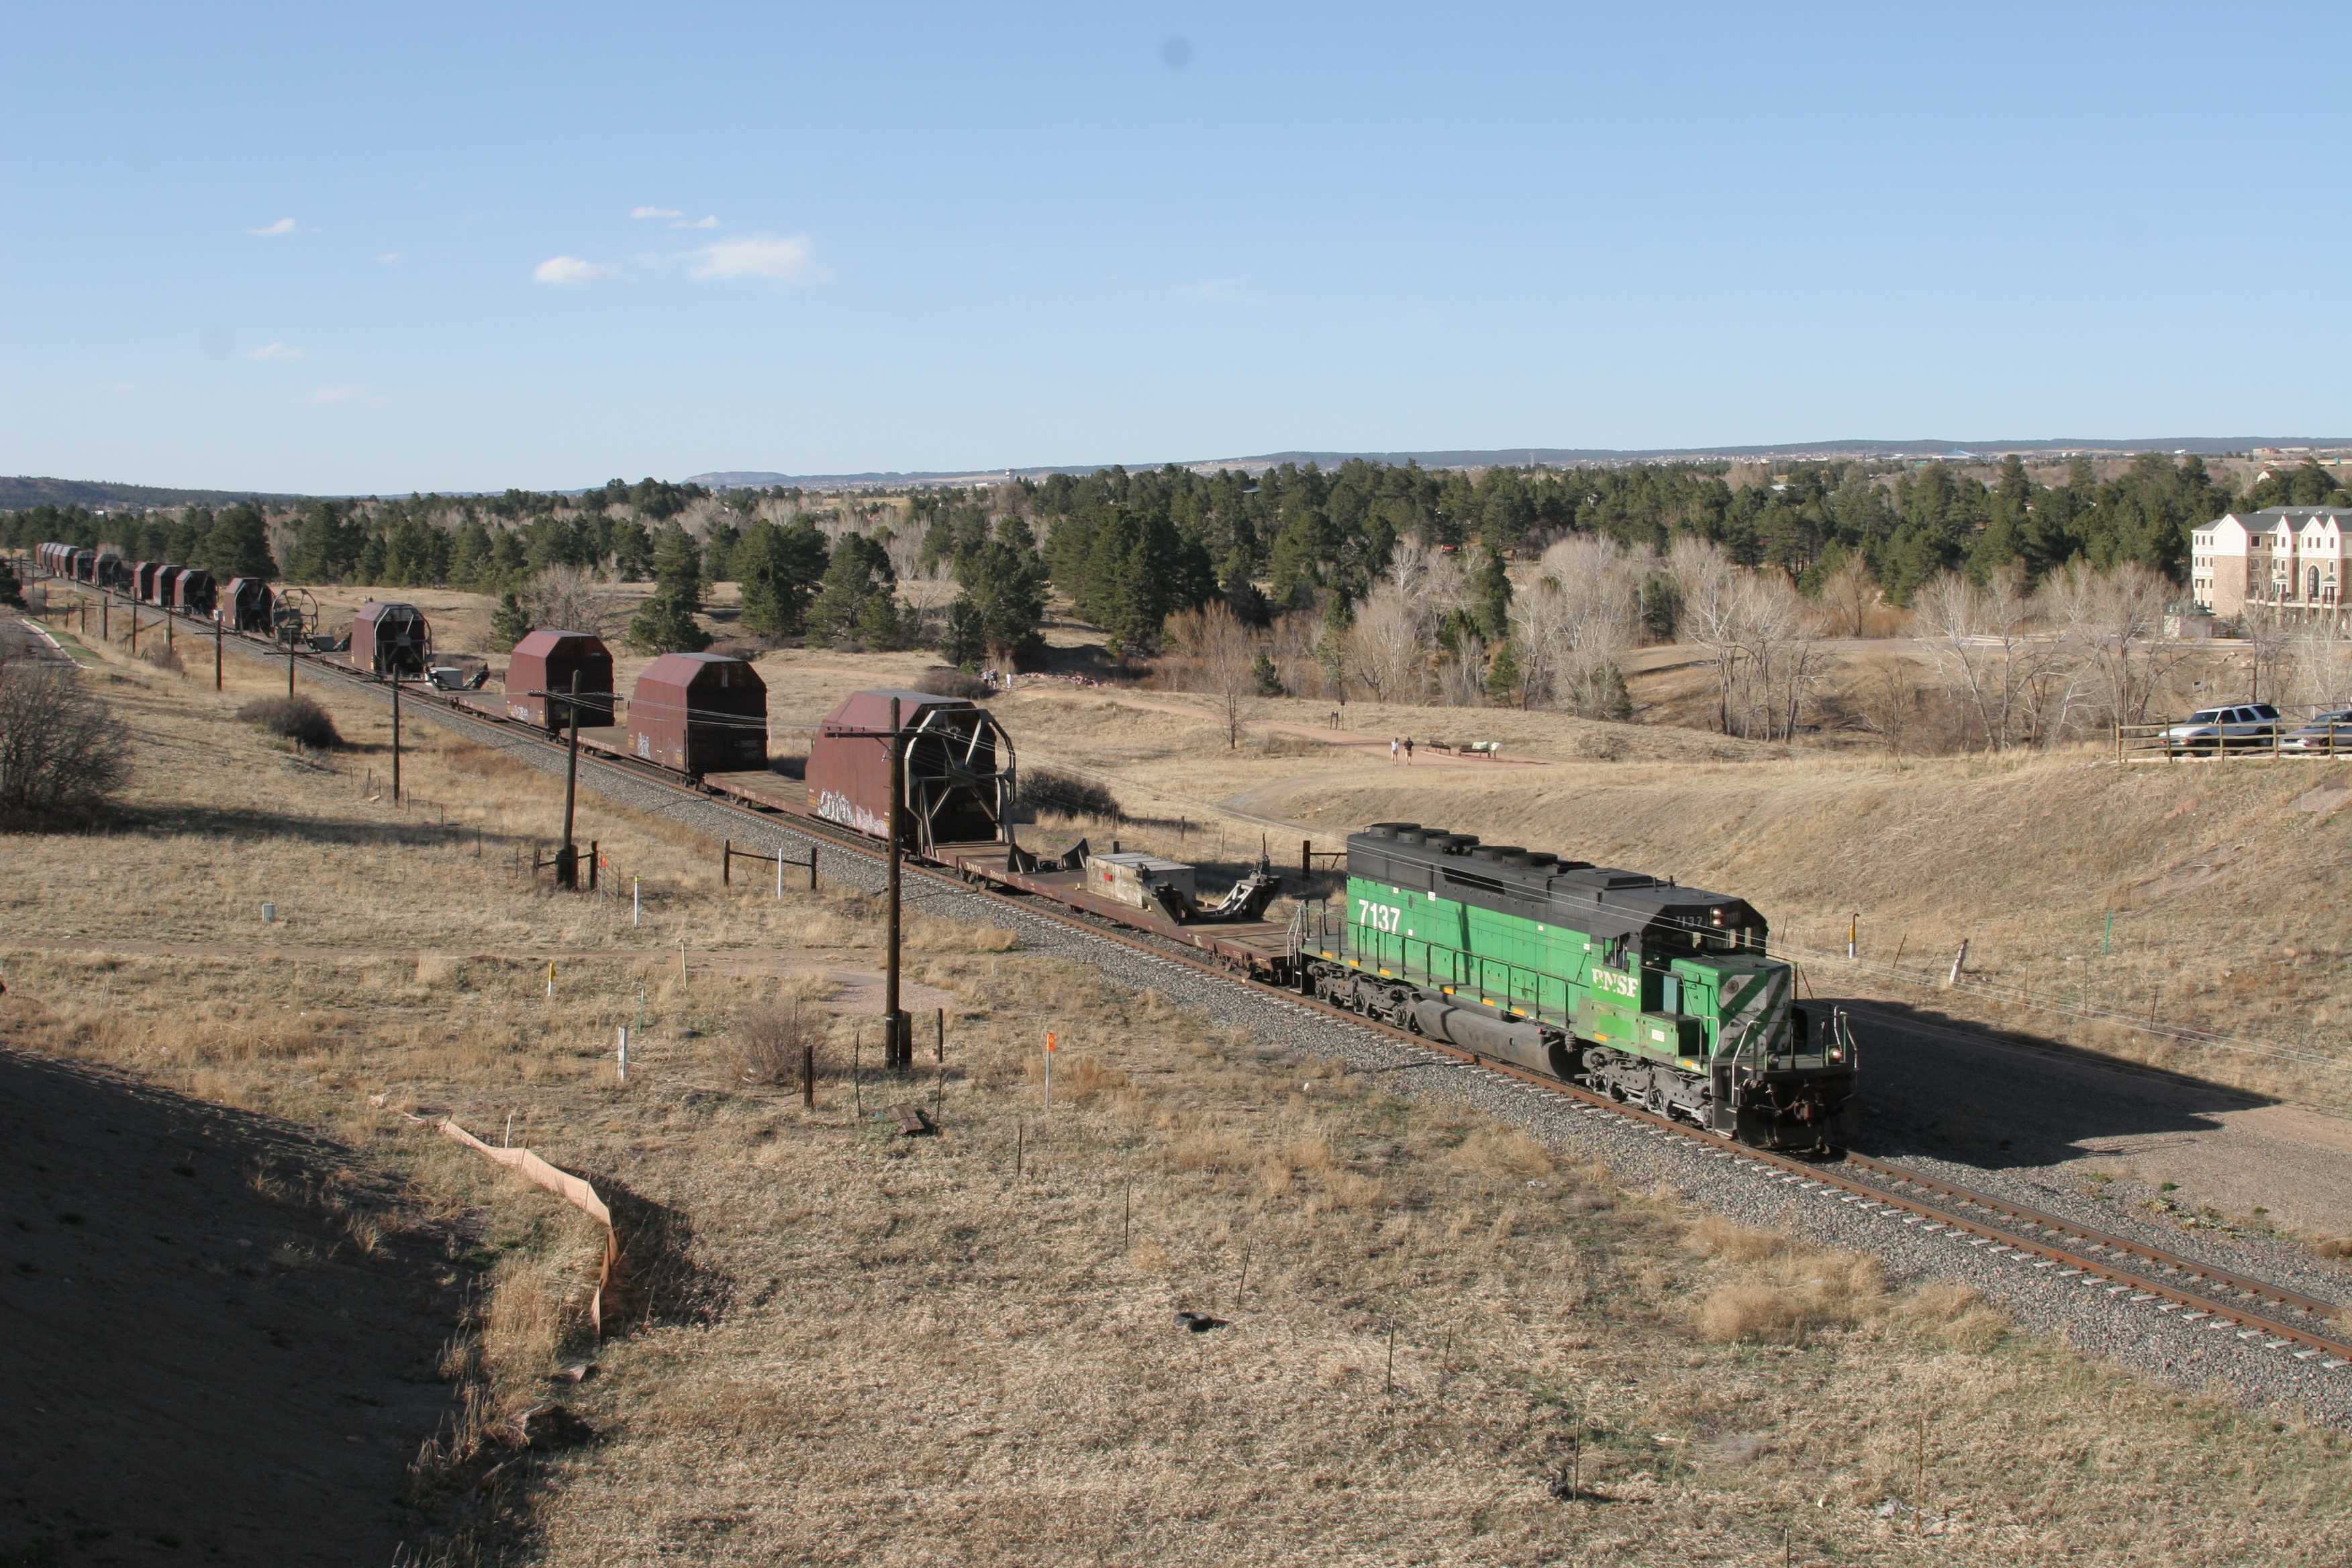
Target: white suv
{"points": [[2213, 728]]}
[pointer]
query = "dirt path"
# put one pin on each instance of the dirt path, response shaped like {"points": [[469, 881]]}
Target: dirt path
{"points": [[1371, 746]]}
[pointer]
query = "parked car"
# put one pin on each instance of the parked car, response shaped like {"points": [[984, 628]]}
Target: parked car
{"points": [[2327, 735], [2217, 728]]}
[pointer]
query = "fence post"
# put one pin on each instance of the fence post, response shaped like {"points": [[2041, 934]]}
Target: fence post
{"points": [[1305, 859], [726, 862], [593, 859], [811, 867], [1958, 959]]}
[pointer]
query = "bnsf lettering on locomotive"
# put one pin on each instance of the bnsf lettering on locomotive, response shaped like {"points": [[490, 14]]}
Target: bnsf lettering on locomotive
{"points": [[1609, 980]]}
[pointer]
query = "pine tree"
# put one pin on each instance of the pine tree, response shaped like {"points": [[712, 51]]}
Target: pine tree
{"points": [[1491, 585], [1503, 675], [1003, 595], [237, 544], [779, 569], [859, 570], [878, 626], [666, 624], [677, 565], [1264, 677], [11, 591], [509, 623], [963, 642]]}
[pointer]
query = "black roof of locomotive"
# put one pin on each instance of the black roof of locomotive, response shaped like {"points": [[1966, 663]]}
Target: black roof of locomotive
{"points": [[1599, 900]]}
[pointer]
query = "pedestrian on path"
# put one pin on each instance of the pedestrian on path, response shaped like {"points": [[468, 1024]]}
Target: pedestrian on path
{"points": [[1408, 751], [1392, 748]]}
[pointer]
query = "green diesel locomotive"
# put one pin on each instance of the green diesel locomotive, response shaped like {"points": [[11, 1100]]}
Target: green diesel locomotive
{"points": [[1625, 983]]}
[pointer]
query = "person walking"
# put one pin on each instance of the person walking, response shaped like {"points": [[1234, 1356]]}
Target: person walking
{"points": [[1392, 748], [1408, 751]]}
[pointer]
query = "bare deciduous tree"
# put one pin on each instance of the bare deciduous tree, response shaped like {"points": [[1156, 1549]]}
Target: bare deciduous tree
{"points": [[1575, 626], [1385, 644], [60, 749], [1846, 600], [569, 599], [2323, 666], [1215, 652]]}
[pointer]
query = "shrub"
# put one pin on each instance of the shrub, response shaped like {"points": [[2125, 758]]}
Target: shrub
{"points": [[945, 680], [769, 1039], [165, 657], [61, 752], [1043, 791], [296, 719]]}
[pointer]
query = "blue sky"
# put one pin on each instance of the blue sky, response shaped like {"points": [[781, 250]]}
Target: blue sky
{"points": [[353, 249]]}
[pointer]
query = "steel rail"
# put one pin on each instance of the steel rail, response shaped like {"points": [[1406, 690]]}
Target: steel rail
{"points": [[2022, 1241]]}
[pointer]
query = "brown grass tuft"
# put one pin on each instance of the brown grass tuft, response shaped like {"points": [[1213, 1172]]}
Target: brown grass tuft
{"points": [[1712, 1237], [1791, 1296]]}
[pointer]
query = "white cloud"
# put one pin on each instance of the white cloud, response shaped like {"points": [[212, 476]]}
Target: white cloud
{"points": [[710, 221], [283, 226], [758, 256], [1218, 290], [344, 395], [389, 258], [273, 351], [655, 212], [569, 269]]}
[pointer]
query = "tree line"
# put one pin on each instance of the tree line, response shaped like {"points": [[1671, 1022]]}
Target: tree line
{"points": [[1371, 568]]}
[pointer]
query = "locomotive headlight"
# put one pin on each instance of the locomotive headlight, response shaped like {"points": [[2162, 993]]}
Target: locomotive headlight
{"points": [[1718, 916]]}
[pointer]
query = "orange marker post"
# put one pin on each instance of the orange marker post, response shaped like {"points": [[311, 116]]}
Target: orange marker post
{"points": [[1049, 1069]]}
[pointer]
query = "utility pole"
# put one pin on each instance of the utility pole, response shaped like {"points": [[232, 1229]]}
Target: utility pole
{"points": [[567, 859], [290, 630], [396, 734], [217, 653], [897, 1038]]}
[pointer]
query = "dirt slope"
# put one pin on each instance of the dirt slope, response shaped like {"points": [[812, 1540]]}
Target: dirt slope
{"points": [[191, 1364]]}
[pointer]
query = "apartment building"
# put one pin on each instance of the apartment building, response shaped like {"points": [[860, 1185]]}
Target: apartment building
{"points": [[2290, 556]]}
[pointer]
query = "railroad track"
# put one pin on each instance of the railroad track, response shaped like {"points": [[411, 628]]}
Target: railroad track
{"points": [[2305, 1327]]}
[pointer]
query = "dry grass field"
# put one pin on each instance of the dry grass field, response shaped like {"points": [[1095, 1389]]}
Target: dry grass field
{"points": [[833, 1343]]}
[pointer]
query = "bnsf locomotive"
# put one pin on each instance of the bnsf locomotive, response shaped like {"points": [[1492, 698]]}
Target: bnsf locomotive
{"points": [[1650, 993]]}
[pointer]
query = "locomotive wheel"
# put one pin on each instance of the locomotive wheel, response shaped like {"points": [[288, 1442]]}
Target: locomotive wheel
{"points": [[1654, 1101]]}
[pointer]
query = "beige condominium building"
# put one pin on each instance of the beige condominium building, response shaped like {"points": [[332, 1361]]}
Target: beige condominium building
{"points": [[2290, 556]]}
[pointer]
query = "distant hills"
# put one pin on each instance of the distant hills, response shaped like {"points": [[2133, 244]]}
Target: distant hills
{"points": [[18, 493], [1924, 447]]}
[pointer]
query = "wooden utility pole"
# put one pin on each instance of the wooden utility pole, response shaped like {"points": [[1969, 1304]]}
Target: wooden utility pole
{"points": [[395, 736], [897, 1038], [217, 653], [567, 859]]}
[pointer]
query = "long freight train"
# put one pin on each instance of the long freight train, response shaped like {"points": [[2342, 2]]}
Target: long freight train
{"points": [[1650, 993]]}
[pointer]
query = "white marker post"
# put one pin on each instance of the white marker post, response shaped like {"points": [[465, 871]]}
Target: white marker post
{"points": [[637, 907], [1049, 1069], [550, 980], [624, 1053], [780, 871]]}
